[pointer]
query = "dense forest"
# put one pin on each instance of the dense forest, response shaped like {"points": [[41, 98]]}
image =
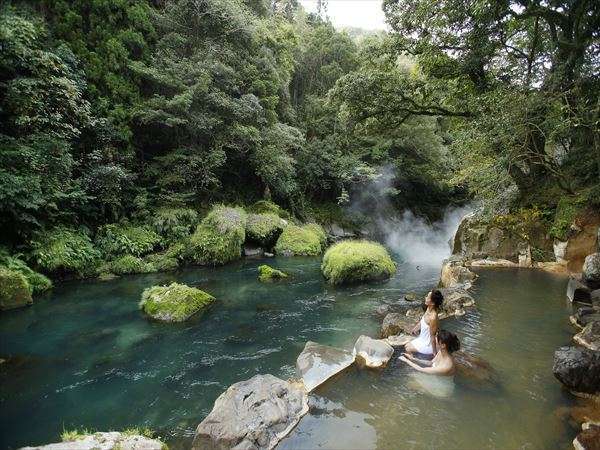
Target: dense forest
{"points": [[123, 121]]}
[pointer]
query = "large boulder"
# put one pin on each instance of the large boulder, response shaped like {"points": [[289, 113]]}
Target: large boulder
{"points": [[577, 291], [455, 302], [591, 270], [14, 290], [588, 438], [252, 414], [317, 363], [589, 337], [373, 353], [305, 240], [218, 239], [585, 315], [264, 229], [112, 440], [578, 369], [454, 274], [357, 261], [174, 303], [397, 323]]}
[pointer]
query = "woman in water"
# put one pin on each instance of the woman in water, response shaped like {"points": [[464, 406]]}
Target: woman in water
{"points": [[428, 325], [442, 363]]}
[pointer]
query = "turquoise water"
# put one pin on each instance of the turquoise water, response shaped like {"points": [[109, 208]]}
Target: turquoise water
{"points": [[85, 357]]}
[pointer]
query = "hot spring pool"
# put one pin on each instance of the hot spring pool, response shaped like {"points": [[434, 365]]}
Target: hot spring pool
{"points": [[85, 357]]}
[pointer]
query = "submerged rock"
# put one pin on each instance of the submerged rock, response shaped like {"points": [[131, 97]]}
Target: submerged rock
{"points": [[317, 363], [577, 291], [357, 261], [454, 274], [399, 340], [252, 414], [475, 369], [396, 323], [589, 337], [374, 352], [588, 438], [105, 441], [578, 369], [174, 303], [591, 270], [267, 274], [14, 290]]}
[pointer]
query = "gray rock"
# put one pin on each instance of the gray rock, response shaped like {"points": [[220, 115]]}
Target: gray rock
{"points": [[252, 414], [375, 353], [455, 302], [591, 270], [585, 315], [588, 438], [455, 274], [589, 337], [396, 323], [251, 251], [317, 363], [578, 369], [104, 441], [577, 291], [399, 340]]}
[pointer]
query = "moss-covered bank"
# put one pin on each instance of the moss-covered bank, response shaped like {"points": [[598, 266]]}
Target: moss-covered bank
{"points": [[305, 240]]}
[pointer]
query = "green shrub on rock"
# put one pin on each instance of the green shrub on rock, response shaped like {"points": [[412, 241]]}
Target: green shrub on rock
{"points": [[174, 224], [267, 273], [268, 207], [125, 239], [14, 290], [306, 240], [37, 281], [174, 303], [65, 251], [219, 237], [129, 264], [264, 229], [356, 261], [162, 262]]}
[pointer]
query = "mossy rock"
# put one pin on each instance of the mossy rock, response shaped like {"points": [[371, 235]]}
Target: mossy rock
{"points": [[264, 229], [357, 261], [129, 264], [14, 290], [267, 274], [162, 262], [37, 282], [174, 303], [306, 240], [174, 224], [219, 237], [268, 207]]}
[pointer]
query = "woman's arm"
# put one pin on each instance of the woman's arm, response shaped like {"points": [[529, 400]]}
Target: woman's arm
{"points": [[420, 361], [430, 370]]}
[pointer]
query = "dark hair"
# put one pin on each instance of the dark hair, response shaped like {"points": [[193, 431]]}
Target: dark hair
{"points": [[437, 298], [449, 340]]}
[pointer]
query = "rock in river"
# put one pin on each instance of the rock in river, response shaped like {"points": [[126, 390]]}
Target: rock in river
{"points": [[591, 270], [454, 274], [578, 369], [577, 291], [475, 369], [317, 363], [374, 352], [105, 441], [174, 303], [396, 323], [589, 337], [14, 290], [252, 414]]}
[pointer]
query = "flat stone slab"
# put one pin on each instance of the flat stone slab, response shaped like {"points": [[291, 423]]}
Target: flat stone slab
{"points": [[317, 363], [399, 340], [252, 414], [104, 441], [491, 262], [374, 352]]}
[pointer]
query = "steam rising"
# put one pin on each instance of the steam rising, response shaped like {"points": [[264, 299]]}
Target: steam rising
{"points": [[412, 238]]}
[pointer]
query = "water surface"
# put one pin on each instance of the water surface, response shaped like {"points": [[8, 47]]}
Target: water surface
{"points": [[86, 357]]}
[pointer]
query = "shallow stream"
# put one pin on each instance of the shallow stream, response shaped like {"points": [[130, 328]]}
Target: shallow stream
{"points": [[85, 357]]}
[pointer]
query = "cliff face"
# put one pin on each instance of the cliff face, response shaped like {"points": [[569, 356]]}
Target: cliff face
{"points": [[524, 239]]}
